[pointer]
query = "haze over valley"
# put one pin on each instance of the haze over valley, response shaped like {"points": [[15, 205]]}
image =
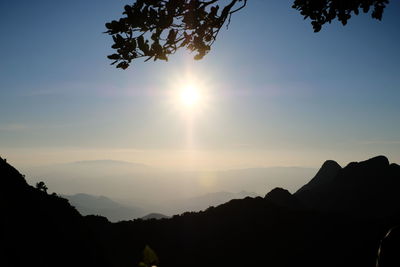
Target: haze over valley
{"points": [[139, 189]]}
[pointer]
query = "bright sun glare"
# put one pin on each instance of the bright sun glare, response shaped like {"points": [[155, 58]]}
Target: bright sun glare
{"points": [[190, 96]]}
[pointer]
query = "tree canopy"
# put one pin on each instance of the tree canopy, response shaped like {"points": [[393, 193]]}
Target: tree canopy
{"points": [[156, 29]]}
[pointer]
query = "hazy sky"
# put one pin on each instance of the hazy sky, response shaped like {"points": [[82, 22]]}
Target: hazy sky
{"points": [[274, 92]]}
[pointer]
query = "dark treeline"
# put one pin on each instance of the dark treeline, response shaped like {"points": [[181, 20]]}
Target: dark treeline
{"points": [[338, 219]]}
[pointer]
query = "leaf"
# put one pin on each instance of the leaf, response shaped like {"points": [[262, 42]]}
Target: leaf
{"points": [[114, 56], [142, 45], [171, 36], [123, 65]]}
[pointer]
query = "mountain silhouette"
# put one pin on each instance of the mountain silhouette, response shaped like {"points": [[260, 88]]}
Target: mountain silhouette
{"points": [[324, 176], [340, 218], [38, 229], [332, 221], [367, 188], [283, 198]]}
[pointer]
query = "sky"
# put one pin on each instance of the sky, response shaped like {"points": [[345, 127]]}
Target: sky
{"points": [[274, 92]]}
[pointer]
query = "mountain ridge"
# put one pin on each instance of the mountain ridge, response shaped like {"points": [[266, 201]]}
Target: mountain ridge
{"points": [[365, 187], [259, 231]]}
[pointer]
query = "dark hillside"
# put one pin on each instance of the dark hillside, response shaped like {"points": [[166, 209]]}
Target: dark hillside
{"points": [[336, 220], [38, 229], [341, 226], [368, 188]]}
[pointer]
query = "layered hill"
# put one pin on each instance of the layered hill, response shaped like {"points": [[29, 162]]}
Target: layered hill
{"points": [[338, 219], [100, 205]]}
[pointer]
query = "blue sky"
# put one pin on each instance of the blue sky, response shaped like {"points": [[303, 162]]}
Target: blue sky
{"points": [[279, 94]]}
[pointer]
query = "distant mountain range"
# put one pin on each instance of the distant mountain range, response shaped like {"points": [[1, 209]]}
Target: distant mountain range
{"points": [[341, 217], [114, 211], [107, 162], [168, 192], [101, 205]]}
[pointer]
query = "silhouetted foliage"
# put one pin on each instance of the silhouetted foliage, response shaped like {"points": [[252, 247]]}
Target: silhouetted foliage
{"points": [[325, 11], [41, 186], [155, 29]]}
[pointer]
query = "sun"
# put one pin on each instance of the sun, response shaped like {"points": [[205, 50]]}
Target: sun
{"points": [[190, 96]]}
